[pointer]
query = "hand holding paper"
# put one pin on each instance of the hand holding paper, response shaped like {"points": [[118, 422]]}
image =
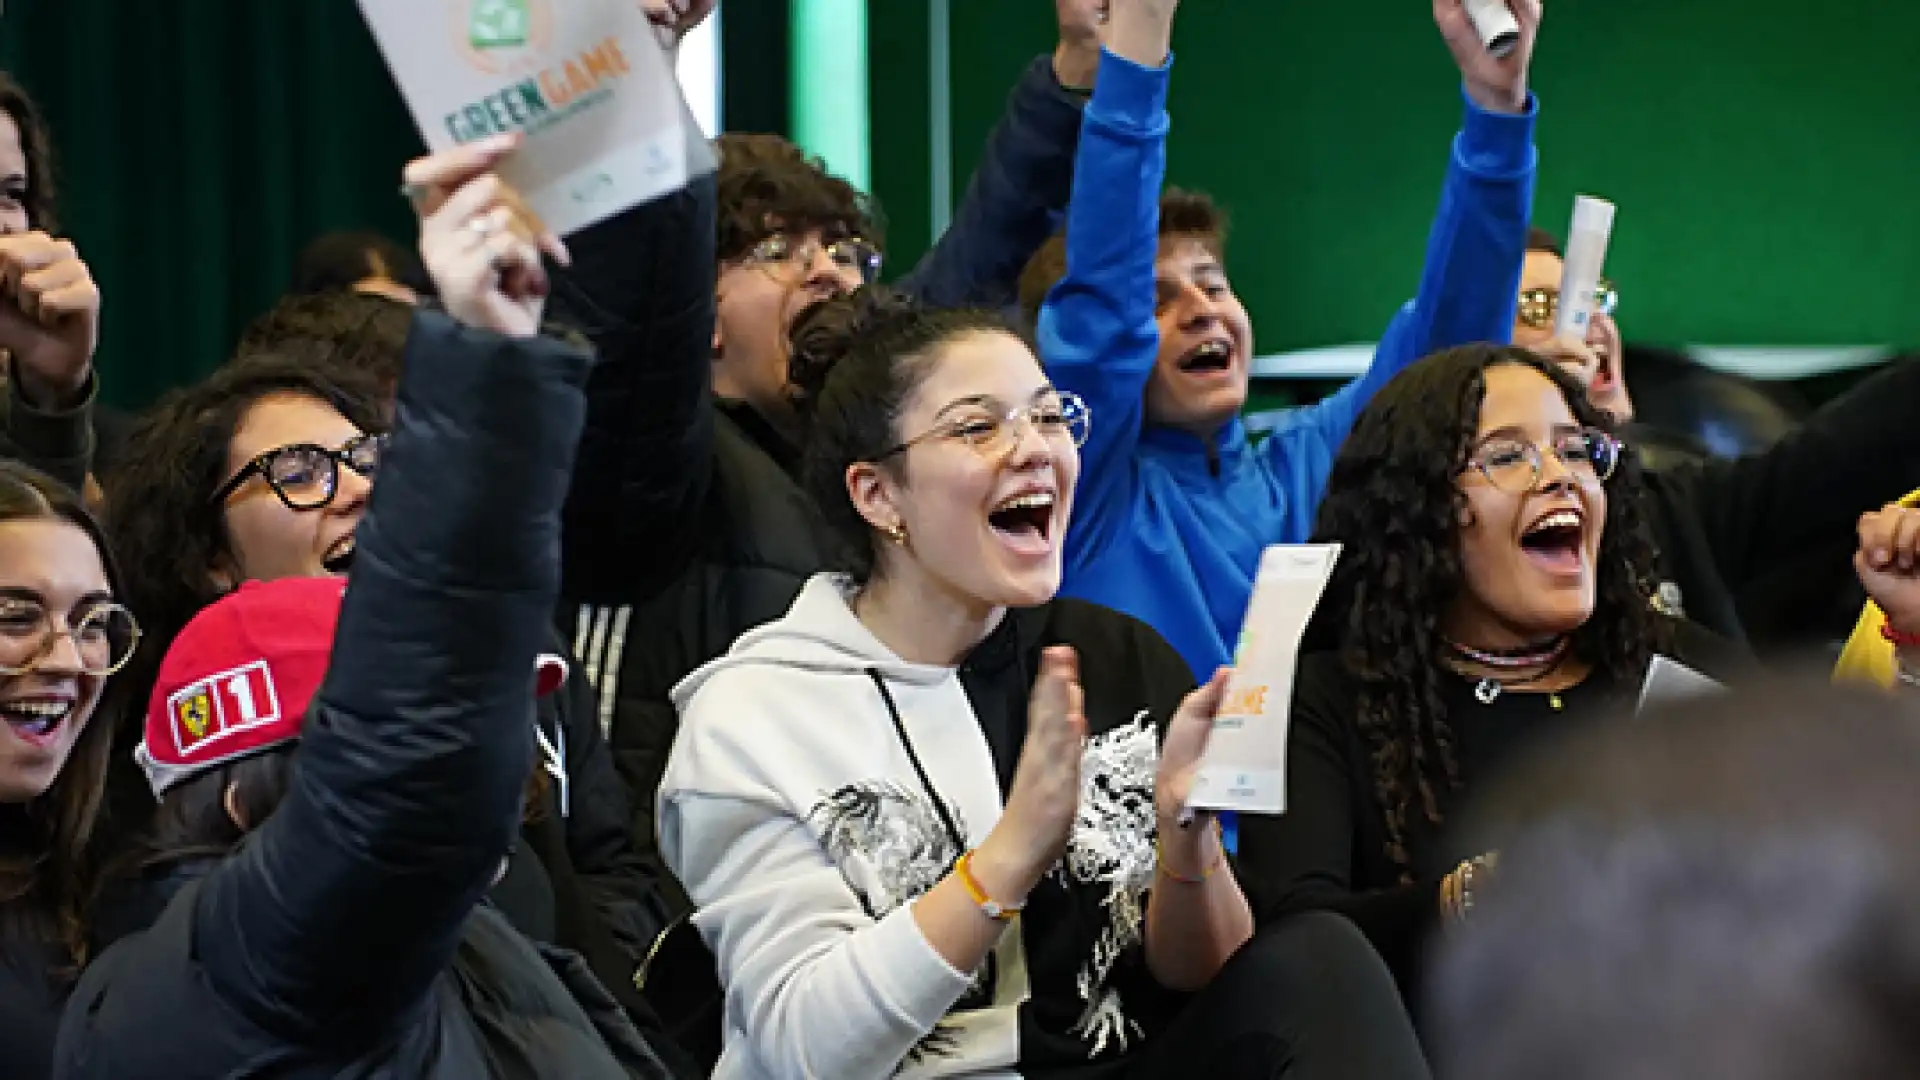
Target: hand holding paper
{"points": [[1244, 766], [1186, 742], [478, 239], [1495, 77], [587, 85]]}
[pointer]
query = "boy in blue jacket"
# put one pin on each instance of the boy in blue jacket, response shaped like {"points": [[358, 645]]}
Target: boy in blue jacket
{"points": [[1175, 504]]}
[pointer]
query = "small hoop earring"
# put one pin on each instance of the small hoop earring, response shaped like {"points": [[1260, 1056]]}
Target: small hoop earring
{"points": [[896, 533]]}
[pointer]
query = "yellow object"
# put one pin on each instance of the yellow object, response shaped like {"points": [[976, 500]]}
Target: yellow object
{"points": [[992, 908], [1869, 657]]}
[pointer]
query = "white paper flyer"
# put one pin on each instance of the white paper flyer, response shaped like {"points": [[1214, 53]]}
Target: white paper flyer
{"points": [[1245, 765], [587, 81]]}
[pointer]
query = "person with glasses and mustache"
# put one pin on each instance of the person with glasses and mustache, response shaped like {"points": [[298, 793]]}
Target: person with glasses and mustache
{"points": [[1759, 548], [1492, 589]]}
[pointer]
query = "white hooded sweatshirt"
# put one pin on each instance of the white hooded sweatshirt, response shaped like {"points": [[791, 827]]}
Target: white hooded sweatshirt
{"points": [[794, 815]]}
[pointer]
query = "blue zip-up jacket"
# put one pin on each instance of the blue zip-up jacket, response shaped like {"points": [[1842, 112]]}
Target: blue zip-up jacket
{"points": [[1169, 528]]}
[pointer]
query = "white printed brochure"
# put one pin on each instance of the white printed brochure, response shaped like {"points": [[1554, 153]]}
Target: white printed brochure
{"points": [[1245, 765], [587, 81]]}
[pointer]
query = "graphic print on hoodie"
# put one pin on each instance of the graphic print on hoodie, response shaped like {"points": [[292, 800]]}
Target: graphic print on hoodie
{"points": [[793, 813]]}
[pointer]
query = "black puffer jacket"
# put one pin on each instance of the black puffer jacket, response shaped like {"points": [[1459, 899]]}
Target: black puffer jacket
{"points": [[346, 937]]}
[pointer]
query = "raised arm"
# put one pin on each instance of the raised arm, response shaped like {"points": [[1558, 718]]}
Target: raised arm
{"points": [[1096, 331], [641, 289], [1020, 189], [349, 900], [49, 328], [1470, 282]]}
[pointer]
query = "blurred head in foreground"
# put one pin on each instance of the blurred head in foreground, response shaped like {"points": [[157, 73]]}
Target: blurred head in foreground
{"points": [[1728, 888]]}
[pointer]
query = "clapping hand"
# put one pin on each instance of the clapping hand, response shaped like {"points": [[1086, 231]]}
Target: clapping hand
{"points": [[1045, 796], [1495, 83], [49, 316]]}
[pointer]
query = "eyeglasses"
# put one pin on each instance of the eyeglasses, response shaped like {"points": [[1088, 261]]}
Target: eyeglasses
{"points": [[1515, 466], [1057, 415], [785, 257], [306, 475], [104, 637], [1539, 307]]}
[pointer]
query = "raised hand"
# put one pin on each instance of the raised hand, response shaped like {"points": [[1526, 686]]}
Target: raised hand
{"points": [[1141, 30], [1180, 752], [49, 316], [1888, 563], [1495, 83], [479, 240], [1038, 820], [1083, 29]]}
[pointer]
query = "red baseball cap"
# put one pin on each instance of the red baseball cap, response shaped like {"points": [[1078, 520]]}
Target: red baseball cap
{"points": [[239, 676]]}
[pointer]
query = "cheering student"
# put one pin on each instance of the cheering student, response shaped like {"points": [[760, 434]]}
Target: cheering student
{"points": [[931, 818], [1492, 588], [1756, 548], [1178, 503], [323, 910], [62, 633]]}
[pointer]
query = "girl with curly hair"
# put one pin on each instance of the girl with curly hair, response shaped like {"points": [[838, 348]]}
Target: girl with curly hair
{"points": [[1494, 586]]}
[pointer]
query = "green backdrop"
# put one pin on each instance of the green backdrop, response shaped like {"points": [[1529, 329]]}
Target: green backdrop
{"points": [[201, 143], [1762, 152]]}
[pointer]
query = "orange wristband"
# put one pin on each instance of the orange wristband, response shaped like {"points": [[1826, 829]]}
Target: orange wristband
{"points": [[991, 908]]}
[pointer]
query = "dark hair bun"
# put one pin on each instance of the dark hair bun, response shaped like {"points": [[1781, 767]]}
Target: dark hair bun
{"points": [[828, 332]]}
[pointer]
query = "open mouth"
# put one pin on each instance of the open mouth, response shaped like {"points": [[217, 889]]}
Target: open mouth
{"points": [[1025, 522], [339, 557], [36, 719], [1557, 542], [1212, 356]]}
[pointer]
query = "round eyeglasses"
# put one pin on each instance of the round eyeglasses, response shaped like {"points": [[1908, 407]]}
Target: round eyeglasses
{"points": [[306, 475], [1539, 307], [992, 429], [104, 636], [1516, 466], [788, 257]]}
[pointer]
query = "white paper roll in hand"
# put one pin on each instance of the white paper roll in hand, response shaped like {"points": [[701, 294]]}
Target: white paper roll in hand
{"points": [[1499, 30], [1580, 274]]}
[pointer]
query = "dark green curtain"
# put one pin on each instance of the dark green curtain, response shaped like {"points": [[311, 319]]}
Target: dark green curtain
{"points": [[200, 144]]}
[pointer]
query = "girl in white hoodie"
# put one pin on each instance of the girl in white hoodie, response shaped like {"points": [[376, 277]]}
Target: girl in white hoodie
{"points": [[919, 843]]}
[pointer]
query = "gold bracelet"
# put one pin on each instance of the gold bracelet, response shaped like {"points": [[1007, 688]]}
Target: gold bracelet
{"points": [[1160, 862]]}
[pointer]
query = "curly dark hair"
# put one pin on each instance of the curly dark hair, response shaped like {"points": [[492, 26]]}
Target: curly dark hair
{"points": [[48, 845], [856, 360], [163, 524], [1394, 504], [767, 185], [37, 148]]}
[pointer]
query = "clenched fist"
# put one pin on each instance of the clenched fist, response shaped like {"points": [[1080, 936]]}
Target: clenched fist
{"points": [[49, 316]]}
